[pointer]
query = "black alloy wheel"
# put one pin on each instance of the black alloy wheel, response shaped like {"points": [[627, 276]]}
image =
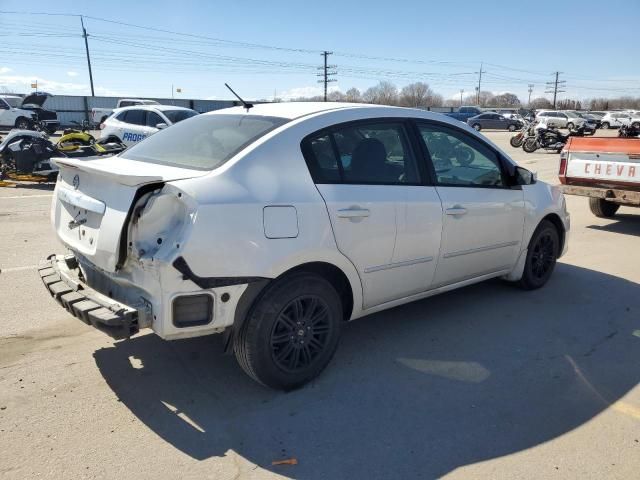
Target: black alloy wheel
{"points": [[542, 254]]}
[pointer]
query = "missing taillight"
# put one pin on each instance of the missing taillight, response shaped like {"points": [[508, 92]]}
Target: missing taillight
{"points": [[563, 166]]}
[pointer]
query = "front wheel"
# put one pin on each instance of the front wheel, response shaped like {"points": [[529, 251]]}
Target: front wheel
{"points": [[477, 127], [635, 124], [23, 123], [602, 208], [530, 145], [512, 128], [291, 333], [516, 141], [542, 254], [570, 126], [605, 125]]}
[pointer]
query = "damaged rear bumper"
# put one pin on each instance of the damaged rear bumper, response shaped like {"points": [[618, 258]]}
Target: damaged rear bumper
{"points": [[59, 275]]}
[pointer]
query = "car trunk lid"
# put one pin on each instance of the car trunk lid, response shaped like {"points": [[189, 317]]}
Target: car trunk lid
{"points": [[94, 198]]}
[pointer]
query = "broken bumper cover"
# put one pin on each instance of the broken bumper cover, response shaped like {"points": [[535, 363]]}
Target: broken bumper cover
{"points": [[117, 320]]}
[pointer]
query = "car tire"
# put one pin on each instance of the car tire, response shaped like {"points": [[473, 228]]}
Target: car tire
{"points": [[605, 125], [635, 124], [22, 123], [512, 128], [542, 253], [570, 126], [291, 333], [477, 127], [602, 208]]}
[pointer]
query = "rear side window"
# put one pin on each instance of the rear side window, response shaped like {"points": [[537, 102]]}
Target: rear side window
{"points": [[362, 153], [176, 116], [135, 117], [203, 142]]}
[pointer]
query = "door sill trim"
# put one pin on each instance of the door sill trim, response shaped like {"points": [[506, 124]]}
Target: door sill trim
{"points": [[480, 249], [406, 263]]}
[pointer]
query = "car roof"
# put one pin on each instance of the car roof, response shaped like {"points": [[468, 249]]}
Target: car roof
{"points": [[292, 110], [162, 108]]}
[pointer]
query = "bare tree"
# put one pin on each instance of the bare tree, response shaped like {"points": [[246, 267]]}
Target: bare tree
{"points": [[504, 100], [353, 95], [336, 96], [384, 93], [540, 102], [416, 95]]}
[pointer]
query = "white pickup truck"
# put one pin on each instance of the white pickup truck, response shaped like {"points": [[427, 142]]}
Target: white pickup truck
{"points": [[607, 170], [99, 115]]}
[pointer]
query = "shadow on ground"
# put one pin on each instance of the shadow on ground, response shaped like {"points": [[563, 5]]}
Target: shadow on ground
{"points": [[413, 392], [622, 223]]}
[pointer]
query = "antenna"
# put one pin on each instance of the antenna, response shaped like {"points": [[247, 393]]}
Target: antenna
{"points": [[245, 104]]}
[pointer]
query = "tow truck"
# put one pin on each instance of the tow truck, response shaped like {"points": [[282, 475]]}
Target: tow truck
{"points": [[606, 170]]}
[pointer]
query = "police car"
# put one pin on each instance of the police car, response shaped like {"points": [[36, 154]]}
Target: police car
{"points": [[133, 124]]}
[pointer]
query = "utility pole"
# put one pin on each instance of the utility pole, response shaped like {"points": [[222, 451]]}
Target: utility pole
{"points": [[86, 46], [461, 92], [530, 90], [555, 86], [479, 84], [327, 72]]}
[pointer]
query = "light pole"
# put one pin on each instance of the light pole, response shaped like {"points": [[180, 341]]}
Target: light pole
{"points": [[461, 92]]}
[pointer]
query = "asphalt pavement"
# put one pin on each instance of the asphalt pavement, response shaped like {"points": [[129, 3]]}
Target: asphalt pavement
{"points": [[484, 382]]}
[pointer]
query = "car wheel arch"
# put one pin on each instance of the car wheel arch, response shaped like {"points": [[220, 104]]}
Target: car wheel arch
{"points": [[330, 272], [557, 222]]}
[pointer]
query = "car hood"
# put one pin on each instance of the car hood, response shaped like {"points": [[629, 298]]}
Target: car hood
{"points": [[36, 98]]}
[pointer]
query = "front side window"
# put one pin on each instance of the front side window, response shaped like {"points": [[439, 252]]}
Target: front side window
{"points": [[203, 142], [460, 160], [362, 153], [154, 119]]}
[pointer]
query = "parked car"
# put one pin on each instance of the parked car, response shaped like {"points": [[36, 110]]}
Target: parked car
{"points": [[465, 113], [133, 124], [615, 120], [275, 224], [561, 119], [99, 115], [494, 121], [13, 116]]}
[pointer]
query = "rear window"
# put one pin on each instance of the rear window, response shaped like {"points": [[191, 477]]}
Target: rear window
{"points": [[176, 116], [203, 142]]}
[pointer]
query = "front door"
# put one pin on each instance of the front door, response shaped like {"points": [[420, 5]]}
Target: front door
{"points": [[483, 217], [385, 220]]}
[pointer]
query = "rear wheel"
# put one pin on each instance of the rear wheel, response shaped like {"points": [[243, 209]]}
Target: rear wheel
{"points": [[570, 126], [512, 128], [542, 254], [291, 333], [603, 209], [605, 125], [635, 124], [477, 127]]}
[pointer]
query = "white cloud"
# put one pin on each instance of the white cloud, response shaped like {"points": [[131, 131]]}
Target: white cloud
{"points": [[4, 70], [212, 97], [72, 74], [22, 84], [309, 91]]}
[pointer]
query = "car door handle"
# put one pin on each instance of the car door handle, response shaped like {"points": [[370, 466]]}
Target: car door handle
{"points": [[353, 212], [457, 210]]}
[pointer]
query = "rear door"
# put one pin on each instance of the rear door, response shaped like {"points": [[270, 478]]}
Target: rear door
{"points": [[384, 218], [483, 217]]}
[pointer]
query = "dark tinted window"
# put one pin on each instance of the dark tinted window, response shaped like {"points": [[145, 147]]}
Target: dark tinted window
{"points": [[176, 116], [153, 119], [363, 153], [459, 159], [135, 117]]}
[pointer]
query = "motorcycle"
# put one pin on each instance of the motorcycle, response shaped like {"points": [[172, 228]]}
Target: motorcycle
{"points": [[629, 131], [30, 152], [549, 138], [521, 135]]}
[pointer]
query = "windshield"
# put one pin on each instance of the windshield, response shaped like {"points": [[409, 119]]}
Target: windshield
{"points": [[203, 142], [176, 116]]}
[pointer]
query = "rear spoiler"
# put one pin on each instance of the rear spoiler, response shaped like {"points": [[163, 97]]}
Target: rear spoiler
{"points": [[95, 166]]}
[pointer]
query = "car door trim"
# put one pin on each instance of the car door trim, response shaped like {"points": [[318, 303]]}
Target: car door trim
{"points": [[405, 263], [480, 249]]}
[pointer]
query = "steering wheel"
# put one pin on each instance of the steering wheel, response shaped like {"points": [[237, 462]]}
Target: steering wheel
{"points": [[464, 155]]}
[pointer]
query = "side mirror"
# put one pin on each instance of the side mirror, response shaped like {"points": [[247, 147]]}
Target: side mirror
{"points": [[525, 177], [161, 125]]}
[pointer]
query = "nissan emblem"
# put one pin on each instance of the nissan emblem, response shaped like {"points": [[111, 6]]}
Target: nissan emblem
{"points": [[76, 182]]}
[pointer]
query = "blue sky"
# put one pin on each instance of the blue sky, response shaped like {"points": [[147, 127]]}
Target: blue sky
{"points": [[593, 43]]}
